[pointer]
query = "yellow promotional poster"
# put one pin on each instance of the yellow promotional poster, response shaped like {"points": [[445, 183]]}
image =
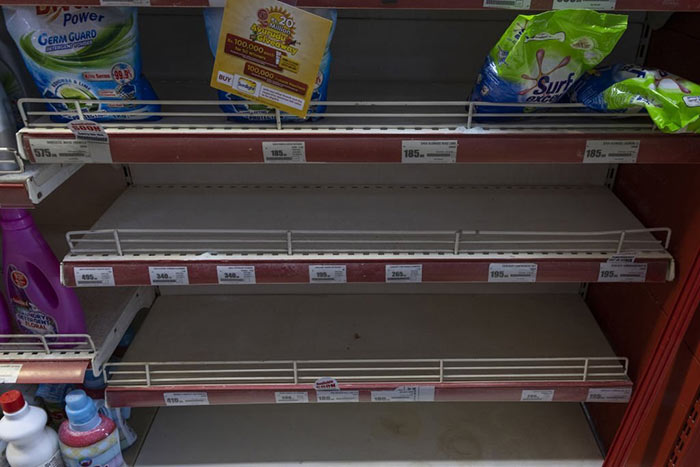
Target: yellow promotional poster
{"points": [[270, 52]]}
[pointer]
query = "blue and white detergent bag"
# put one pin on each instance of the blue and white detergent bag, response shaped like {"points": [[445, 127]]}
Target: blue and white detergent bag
{"points": [[260, 112], [83, 53]]}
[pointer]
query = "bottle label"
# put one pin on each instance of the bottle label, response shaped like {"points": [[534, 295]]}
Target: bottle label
{"points": [[29, 317], [55, 461], [106, 453]]}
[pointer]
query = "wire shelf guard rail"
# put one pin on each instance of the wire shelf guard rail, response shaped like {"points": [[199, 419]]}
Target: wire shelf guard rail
{"points": [[47, 346], [457, 116], [449, 370], [122, 242]]}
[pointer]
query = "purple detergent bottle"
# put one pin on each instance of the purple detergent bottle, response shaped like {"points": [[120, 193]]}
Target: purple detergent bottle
{"points": [[5, 323], [39, 303]]}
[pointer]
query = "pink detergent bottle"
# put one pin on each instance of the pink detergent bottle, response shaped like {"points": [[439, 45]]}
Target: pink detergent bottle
{"points": [[39, 303]]}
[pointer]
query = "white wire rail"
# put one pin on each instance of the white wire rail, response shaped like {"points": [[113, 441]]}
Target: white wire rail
{"points": [[449, 370], [46, 347], [339, 116], [122, 242]]}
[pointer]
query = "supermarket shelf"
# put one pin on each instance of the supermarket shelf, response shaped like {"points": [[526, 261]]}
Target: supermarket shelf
{"points": [[440, 233], [33, 184], [486, 347], [108, 313], [451, 434], [358, 131]]}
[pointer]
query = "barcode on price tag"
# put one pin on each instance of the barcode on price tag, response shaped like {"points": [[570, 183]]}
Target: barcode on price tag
{"points": [[537, 395], [94, 277], [185, 398], [404, 273], [622, 272], [291, 397], [9, 372], [236, 274], [337, 396], [428, 152], [512, 272], [510, 4], [405, 394], [327, 273], [609, 395], [284, 152], [175, 275], [611, 151], [584, 4]]}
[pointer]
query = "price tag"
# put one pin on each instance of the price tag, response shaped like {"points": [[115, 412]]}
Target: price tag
{"points": [[87, 130], [291, 152], [125, 2], [337, 396], [236, 274], [622, 272], [175, 275], [584, 4], [60, 151], [326, 384], [9, 372], [406, 394], [537, 395], [611, 152], [609, 395], [327, 273], [428, 152], [291, 397], [512, 272], [508, 4], [185, 398], [94, 277], [404, 273]]}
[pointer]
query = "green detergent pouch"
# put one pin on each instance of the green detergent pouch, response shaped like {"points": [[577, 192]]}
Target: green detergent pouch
{"points": [[672, 102], [540, 57]]}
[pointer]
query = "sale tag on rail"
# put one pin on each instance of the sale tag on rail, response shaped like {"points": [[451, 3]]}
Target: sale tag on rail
{"points": [[270, 52], [88, 130], [584, 4]]}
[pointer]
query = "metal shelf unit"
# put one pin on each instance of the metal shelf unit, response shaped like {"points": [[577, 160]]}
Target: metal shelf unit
{"points": [[30, 186], [277, 348], [108, 313]]}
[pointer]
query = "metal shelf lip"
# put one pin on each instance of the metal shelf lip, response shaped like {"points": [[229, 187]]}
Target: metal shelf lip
{"points": [[34, 183], [364, 132]]}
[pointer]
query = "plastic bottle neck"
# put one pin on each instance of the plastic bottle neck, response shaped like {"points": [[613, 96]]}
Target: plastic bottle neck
{"points": [[19, 414], [91, 424], [15, 219]]}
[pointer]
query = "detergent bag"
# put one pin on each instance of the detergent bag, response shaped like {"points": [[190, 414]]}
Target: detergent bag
{"points": [[540, 57], [83, 53]]}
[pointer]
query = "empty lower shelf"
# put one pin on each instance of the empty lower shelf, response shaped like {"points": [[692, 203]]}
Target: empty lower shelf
{"points": [[271, 349], [464, 434]]}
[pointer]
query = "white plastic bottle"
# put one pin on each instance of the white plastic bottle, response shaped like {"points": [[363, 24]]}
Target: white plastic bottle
{"points": [[30, 443]]}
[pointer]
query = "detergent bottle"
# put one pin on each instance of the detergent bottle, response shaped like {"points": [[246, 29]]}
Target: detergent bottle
{"points": [[39, 303], [88, 437], [94, 386], [5, 323]]}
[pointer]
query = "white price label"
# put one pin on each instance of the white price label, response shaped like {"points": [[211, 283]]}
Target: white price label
{"points": [[94, 277], [428, 152], [405, 394], [611, 152], [52, 151], [512, 272], [185, 398], [9, 372], [509, 4], [609, 395], [236, 274], [327, 273], [584, 4], [537, 395], [125, 2], [337, 396], [404, 273], [622, 272], [291, 397], [167, 275], [289, 152]]}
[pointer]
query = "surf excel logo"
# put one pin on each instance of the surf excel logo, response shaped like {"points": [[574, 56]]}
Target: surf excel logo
{"points": [[546, 88]]}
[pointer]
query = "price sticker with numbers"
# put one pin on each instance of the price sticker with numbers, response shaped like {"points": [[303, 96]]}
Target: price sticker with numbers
{"points": [[291, 397], [337, 396], [404, 273], [125, 2], [509, 4], [62, 151], [609, 395], [584, 4], [619, 271], [236, 274], [537, 395], [9, 372], [512, 272], [405, 394], [185, 398], [328, 273], [611, 151], [94, 277], [428, 152], [291, 152], [175, 275]]}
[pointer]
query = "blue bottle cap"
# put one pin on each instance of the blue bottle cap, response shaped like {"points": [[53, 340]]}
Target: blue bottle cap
{"points": [[81, 411], [93, 382]]}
